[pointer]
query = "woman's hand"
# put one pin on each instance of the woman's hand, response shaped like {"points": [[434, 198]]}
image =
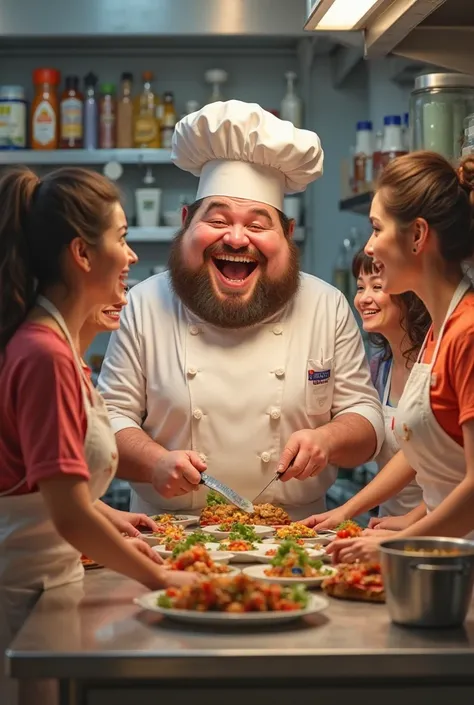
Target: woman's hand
{"points": [[144, 548], [364, 549], [327, 520], [390, 523], [127, 522], [385, 533]]}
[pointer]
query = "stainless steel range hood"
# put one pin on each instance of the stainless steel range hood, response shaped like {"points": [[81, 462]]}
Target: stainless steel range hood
{"points": [[439, 32]]}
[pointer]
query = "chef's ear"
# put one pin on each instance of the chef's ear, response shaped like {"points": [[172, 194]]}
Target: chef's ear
{"points": [[81, 253], [291, 228], [184, 215]]}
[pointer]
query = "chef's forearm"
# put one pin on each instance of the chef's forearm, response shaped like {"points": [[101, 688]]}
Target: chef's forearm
{"points": [[351, 440], [138, 455]]}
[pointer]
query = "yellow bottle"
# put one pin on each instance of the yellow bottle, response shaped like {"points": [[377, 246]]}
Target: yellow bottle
{"points": [[146, 132]]}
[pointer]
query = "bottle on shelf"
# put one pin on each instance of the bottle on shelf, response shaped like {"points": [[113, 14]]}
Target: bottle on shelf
{"points": [[107, 117], [13, 130], [168, 120], [217, 78], [377, 161], [392, 145], [342, 273], [71, 115], [406, 132], [291, 105], [125, 113], [45, 109], [146, 132], [91, 112], [363, 157]]}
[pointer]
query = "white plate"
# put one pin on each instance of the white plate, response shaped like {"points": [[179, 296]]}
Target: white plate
{"points": [[161, 550], [153, 540], [322, 540], [217, 556], [241, 556], [180, 520], [258, 572], [213, 530], [148, 602], [260, 557]]}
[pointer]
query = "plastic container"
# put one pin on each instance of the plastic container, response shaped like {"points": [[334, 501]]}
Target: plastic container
{"points": [[45, 110], [107, 117], [71, 115], [439, 104], [363, 156], [91, 113], [392, 145], [148, 203], [13, 131]]}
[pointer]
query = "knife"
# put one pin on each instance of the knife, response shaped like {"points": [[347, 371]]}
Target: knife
{"points": [[230, 495], [276, 476]]}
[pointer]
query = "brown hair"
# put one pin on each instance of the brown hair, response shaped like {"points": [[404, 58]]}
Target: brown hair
{"points": [[38, 220], [425, 185], [194, 207], [414, 318]]}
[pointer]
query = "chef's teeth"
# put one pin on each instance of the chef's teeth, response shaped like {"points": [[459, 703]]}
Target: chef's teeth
{"points": [[235, 258]]}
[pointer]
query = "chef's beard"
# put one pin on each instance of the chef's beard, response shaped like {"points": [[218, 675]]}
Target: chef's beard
{"points": [[196, 291]]}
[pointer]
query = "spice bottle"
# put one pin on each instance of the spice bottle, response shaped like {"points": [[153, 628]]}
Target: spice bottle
{"points": [[168, 121], [107, 117], [392, 145], [125, 113], [45, 110], [146, 116], [91, 113], [71, 114]]}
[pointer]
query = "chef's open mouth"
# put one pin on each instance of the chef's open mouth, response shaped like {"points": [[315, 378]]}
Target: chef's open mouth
{"points": [[236, 268]]}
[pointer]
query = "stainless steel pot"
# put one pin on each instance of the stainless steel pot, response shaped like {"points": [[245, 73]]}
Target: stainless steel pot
{"points": [[425, 589]]}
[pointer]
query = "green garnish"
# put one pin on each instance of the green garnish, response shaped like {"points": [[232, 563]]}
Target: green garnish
{"points": [[299, 593], [191, 540], [243, 532], [214, 498], [303, 559], [164, 601]]}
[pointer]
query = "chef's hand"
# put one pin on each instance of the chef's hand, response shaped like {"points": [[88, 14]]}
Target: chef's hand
{"points": [[362, 549], [392, 523], [178, 472], [127, 522], [309, 453], [144, 548], [327, 520]]}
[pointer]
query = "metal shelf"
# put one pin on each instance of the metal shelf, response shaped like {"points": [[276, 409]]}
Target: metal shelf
{"points": [[85, 156], [166, 234], [357, 204]]}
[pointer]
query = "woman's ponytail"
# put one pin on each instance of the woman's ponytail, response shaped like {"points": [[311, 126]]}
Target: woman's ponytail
{"points": [[17, 281]]}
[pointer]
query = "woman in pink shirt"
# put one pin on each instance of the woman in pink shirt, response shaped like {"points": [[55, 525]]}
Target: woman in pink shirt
{"points": [[62, 253]]}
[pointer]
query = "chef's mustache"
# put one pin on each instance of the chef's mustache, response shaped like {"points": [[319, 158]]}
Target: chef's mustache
{"points": [[215, 250]]}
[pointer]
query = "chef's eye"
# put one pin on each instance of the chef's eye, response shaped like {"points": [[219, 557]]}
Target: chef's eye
{"points": [[217, 222], [256, 226]]}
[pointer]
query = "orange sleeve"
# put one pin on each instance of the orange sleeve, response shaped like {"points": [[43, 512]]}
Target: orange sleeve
{"points": [[462, 374]]}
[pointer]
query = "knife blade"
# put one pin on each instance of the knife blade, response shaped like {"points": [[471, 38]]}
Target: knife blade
{"points": [[276, 477], [229, 494]]}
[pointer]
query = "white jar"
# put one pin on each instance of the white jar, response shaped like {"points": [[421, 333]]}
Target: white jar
{"points": [[12, 117]]}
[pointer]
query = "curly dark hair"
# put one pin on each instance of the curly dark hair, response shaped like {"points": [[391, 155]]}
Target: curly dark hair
{"points": [[414, 318]]}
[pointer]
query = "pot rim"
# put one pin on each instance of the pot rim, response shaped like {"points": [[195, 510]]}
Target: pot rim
{"points": [[466, 546]]}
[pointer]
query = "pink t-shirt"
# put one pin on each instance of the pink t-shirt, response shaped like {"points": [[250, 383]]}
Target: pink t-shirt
{"points": [[42, 417]]}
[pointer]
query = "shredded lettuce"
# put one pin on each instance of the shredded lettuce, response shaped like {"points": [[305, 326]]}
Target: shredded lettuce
{"points": [[213, 498]]}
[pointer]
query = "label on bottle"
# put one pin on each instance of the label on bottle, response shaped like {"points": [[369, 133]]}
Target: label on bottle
{"points": [[71, 119], [166, 137], [12, 125], [146, 130], [44, 123]]}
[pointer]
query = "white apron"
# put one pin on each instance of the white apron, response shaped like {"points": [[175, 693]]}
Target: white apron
{"points": [[33, 556], [236, 396], [438, 460], [411, 495]]}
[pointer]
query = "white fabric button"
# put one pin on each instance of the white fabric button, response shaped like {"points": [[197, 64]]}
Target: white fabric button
{"points": [[280, 372], [197, 413], [275, 413], [265, 457], [192, 371], [194, 330], [278, 330]]}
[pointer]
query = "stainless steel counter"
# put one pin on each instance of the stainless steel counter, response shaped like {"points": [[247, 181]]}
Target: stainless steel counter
{"points": [[92, 631]]}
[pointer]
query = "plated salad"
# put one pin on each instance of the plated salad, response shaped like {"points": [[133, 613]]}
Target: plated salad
{"points": [[196, 560], [292, 561], [295, 531], [348, 530]]}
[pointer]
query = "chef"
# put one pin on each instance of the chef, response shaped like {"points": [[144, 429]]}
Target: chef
{"points": [[234, 361]]}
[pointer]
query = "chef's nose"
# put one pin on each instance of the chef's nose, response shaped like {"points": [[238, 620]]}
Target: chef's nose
{"points": [[236, 237]]}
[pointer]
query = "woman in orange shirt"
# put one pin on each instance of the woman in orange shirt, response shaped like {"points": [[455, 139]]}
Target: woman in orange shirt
{"points": [[422, 220]]}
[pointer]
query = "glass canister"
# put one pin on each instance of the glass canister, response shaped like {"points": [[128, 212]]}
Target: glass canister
{"points": [[439, 104]]}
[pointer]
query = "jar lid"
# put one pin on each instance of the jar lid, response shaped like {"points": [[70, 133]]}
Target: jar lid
{"points": [[12, 93], [364, 125], [46, 76], [443, 80], [392, 120]]}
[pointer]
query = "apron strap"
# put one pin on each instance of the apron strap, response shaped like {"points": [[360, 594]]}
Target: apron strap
{"points": [[55, 314], [387, 380]]}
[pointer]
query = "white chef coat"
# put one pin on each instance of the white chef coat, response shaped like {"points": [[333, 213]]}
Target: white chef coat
{"points": [[236, 396], [411, 495]]}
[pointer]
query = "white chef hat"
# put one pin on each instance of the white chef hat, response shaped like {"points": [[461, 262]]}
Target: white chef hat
{"points": [[240, 150]]}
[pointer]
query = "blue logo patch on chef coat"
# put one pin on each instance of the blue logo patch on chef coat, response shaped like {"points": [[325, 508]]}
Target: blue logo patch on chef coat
{"points": [[320, 377]]}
